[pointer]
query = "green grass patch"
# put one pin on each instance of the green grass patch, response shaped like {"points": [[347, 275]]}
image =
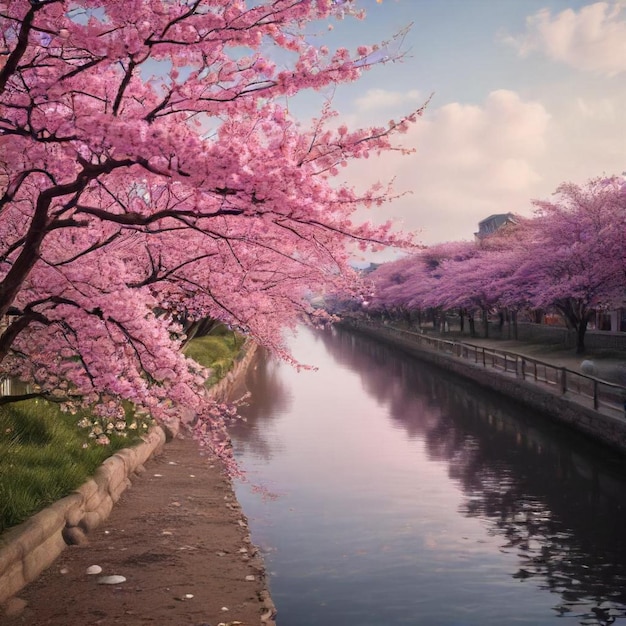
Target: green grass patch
{"points": [[44, 456], [217, 351]]}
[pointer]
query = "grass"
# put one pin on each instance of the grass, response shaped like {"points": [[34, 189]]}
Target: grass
{"points": [[217, 351], [44, 455]]}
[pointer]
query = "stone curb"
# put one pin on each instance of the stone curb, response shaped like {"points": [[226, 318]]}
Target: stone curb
{"points": [[28, 549]]}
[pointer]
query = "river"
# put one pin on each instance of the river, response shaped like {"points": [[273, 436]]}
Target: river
{"points": [[383, 491]]}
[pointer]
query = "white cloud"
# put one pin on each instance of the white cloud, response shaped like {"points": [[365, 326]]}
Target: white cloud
{"points": [[375, 99], [472, 160], [594, 39]]}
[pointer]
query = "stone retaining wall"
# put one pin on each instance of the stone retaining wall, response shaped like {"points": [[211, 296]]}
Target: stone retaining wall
{"points": [[26, 550], [221, 390], [605, 428], [29, 548]]}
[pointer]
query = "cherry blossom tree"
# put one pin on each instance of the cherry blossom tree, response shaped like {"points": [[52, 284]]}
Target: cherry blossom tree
{"points": [[570, 257], [575, 252], [392, 287], [478, 276], [424, 280], [150, 172]]}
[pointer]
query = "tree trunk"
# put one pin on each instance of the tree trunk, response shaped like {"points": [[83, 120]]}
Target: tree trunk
{"points": [[580, 335]]}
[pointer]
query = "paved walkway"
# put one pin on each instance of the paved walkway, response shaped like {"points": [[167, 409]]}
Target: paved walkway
{"points": [[611, 368]]}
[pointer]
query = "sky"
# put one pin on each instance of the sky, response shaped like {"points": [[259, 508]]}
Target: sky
{"points": [[527, 94]]}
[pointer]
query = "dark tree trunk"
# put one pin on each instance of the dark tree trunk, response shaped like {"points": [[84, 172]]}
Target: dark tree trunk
{"points": [[580, 335], [199, 328], [576, 316]]}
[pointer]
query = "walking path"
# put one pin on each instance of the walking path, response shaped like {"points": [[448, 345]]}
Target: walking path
{"points": [[181, 542]]}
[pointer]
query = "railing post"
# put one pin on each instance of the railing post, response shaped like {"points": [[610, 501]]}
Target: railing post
{"points": [[563, 380], [596, 402], [535, 364], [484, 358], [523, 368]]}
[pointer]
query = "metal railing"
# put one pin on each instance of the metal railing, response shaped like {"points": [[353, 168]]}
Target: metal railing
{"points": [[596, 392]]}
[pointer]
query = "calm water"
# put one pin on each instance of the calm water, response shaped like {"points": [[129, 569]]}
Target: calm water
{"points": [[406, 496]]}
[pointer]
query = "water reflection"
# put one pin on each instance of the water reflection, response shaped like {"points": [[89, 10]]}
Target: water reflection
{"points": [[250, 437], [551, 502], [557, 502]]}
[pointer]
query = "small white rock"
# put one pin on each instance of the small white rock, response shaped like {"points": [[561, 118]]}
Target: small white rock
{"points": [[157, 475], [111, 580], [188, 596], [167, 532], [224, 608], [64, 570], [93, 569], [250, 578]]}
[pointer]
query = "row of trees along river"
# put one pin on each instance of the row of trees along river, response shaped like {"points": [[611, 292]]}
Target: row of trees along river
{"points": [[569, 258]]}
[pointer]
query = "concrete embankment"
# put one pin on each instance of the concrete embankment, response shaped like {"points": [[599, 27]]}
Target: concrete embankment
{"points": [[32, 547], [606, 426]]}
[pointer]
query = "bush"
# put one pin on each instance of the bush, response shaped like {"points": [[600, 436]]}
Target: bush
{"points": [[217, 351]]}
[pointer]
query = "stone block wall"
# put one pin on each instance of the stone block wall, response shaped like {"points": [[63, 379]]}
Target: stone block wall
{"points": [[28, 549]]}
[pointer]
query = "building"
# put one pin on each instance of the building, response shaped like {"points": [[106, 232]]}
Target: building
{"points": [[493, 223]]}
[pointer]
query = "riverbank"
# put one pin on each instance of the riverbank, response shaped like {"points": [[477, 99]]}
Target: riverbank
{"points": [[177, 536], [553, 399], [181, 542]]}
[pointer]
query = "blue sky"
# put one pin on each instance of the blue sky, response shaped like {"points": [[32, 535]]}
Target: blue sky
{"points": [[527, 94]]}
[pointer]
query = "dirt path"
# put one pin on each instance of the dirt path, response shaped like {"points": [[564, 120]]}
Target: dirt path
{"points": [[180, 540]]}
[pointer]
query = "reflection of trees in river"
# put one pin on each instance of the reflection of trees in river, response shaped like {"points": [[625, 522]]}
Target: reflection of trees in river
{"points": [[269, 397], [558, 501]]}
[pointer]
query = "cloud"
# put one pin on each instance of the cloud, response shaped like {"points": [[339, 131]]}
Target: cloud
{"points": [[594, 39], [470, 161], [375, 99]]}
